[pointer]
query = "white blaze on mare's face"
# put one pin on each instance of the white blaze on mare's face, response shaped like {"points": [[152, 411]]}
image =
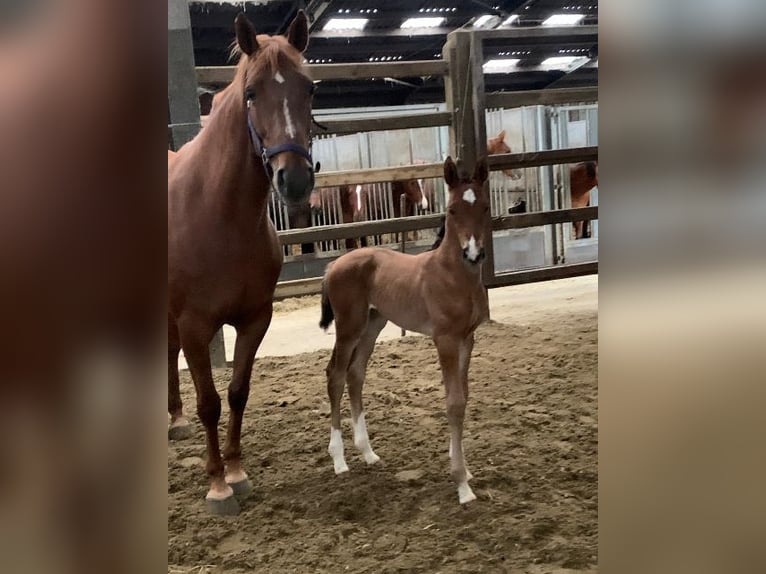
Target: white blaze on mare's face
{"points": [[359, 198], [289, 127], [424, 201], [469, 196], [473, 249]]}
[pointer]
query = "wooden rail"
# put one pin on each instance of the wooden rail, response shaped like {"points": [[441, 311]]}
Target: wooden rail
{"points": [[418, 222], [541, 97], [397, 122], [207, 75], [538, 158]]}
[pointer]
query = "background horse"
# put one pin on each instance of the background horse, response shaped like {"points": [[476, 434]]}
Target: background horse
{"points": [[437, 293], [224, 257], [583, 177], [496, 145]]}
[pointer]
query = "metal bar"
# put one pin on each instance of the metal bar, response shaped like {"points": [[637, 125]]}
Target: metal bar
{"points": [[524, 220], [538, 158], [544, 274], [398, 122], [402, 211]]}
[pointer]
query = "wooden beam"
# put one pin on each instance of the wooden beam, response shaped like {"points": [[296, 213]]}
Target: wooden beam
{"points": [[359, 229], [379, 174], [398, 122], [415, 68], [523, 220], [538, 158], [313, 285], [559, 34], [541, 97], [544, 274]]}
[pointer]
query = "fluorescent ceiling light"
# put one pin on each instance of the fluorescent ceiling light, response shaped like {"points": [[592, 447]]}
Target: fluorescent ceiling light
{"points": [[481, 20], [563, 20], [511, 19], [423, 22], [560, 62], [335, 24], [499, 65]]}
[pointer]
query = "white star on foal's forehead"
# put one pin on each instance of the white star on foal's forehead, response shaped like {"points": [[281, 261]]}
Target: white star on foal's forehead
{"points": [[469, 196], [279, 78]]}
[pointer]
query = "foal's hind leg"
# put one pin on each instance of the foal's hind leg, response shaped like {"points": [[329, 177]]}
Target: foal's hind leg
{"points": [[179, 428], [196, 334], [249, 337], [356, 375]]}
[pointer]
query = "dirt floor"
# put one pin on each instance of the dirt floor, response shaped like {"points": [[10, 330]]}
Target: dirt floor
{"points": [[531, 443]]}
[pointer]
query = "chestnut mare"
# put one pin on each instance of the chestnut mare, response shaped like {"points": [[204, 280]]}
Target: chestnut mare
{"points": [[437, 293], [223, 254], [583, 177]]}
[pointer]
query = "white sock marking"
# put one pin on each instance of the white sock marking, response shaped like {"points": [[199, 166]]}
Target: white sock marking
{"points": [[336, 451], [288, 120], [359, 198], [362, 441], [279, 78], [469, 196], [473, 249]]}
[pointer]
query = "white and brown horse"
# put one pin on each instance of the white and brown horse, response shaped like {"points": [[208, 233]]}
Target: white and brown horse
{"points": [[437, 293]]}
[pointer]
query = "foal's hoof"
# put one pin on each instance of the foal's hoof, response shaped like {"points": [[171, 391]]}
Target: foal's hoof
{"points": [[370, 457], [465, 494], [241, 487], [225, 507], [180, 432]]}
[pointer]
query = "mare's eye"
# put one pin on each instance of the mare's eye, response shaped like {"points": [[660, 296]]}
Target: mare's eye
{"points": [[249, 94], [486, 208]]}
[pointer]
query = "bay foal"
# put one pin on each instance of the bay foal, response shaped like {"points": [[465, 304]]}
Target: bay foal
{"points": [[437, 293]]}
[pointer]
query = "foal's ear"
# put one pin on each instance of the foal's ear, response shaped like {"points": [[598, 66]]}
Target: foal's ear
{"points": [[481, 172], [245, 34], [500, 136], [450, 173], [298, 33]]}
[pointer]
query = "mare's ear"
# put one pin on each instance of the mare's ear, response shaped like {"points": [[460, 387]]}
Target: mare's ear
{"points": [[481, 172], [298, 33], [450, 173], [245, 34], [500, 136]]}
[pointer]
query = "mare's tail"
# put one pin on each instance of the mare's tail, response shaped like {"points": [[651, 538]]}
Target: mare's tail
{"points": [[328, 316]]}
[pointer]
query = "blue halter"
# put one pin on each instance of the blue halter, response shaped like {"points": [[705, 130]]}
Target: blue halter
{"points": [[266, 153]]}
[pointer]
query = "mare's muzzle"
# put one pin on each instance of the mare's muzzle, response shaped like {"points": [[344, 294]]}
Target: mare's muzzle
{"points": [[295, 182]]}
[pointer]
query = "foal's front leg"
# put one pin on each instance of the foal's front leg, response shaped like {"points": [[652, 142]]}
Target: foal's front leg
{"points": [[450, 349]]}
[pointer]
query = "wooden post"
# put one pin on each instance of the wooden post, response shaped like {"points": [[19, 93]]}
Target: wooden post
{"points": [[402, 208], [183, 106]]}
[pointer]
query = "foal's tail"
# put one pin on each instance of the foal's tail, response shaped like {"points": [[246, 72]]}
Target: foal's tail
{"points": [[328, 316]]}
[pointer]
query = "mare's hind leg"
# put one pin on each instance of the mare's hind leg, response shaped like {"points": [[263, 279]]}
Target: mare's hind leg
{"points": [[249, 337], [348, 331], [451, 349], [356, 374], [179, 428], [196, 334]]}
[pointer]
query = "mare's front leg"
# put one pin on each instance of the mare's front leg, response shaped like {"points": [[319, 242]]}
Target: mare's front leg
{"points": [[196, 334], [450, 349], [250, 333]]}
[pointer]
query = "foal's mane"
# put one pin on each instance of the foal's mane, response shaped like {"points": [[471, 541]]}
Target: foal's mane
{"points": [[274, 53]]}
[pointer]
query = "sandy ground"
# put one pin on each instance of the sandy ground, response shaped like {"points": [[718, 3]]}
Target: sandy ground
{"points": [[520, 303], [531, 443]]}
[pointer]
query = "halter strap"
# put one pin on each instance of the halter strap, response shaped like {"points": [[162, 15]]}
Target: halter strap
{"points": [[266, 153]]}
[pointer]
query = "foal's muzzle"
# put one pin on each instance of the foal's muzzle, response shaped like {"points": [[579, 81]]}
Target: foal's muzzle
{"points": [[474, 257], [295, 182]]}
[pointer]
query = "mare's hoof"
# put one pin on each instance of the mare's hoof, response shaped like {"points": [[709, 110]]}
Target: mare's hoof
{"points": [[180, 432], [242, 487], [224, 507]]}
